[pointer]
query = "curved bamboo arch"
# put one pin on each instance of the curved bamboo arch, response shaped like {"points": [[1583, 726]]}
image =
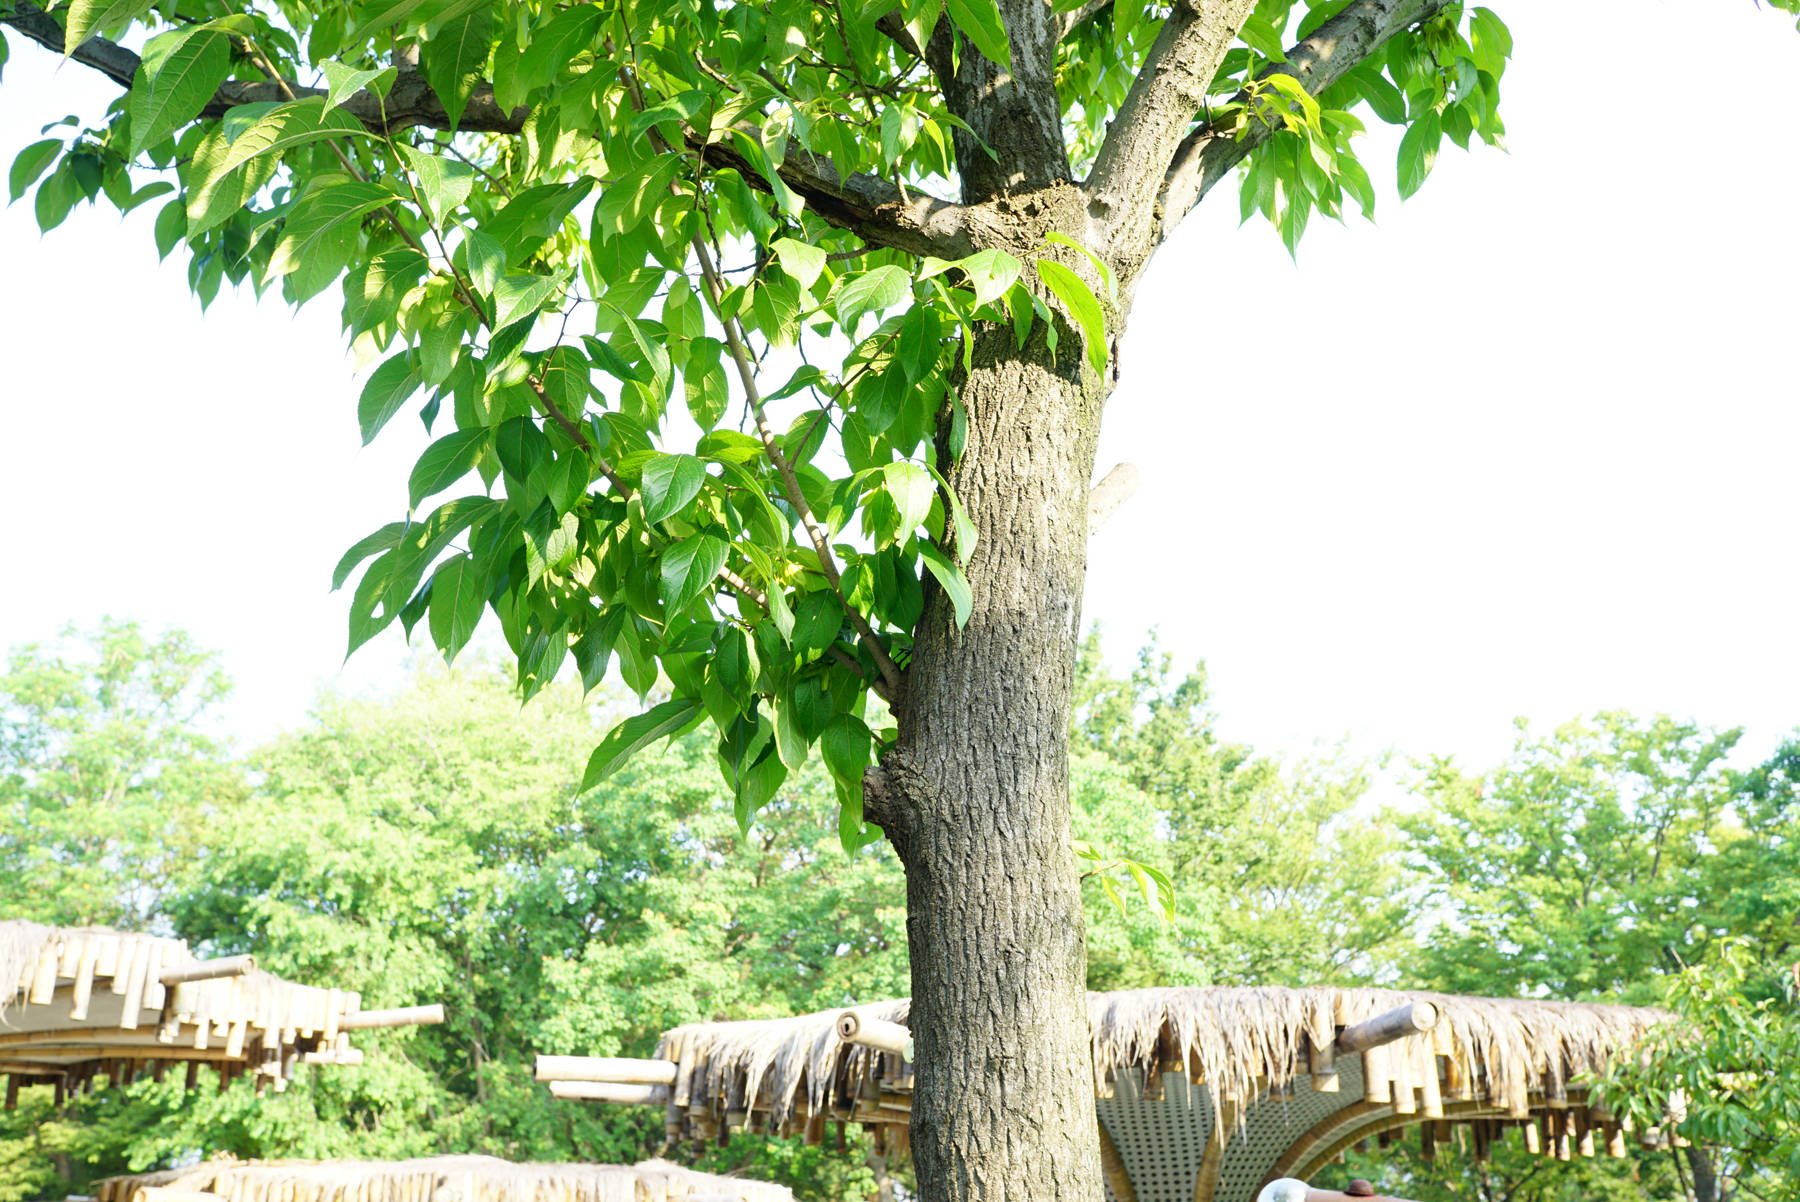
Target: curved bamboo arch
{"points": [[1337, 1132]]}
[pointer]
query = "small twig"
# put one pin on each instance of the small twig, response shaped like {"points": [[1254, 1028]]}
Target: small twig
{"points": [[740, 356]]}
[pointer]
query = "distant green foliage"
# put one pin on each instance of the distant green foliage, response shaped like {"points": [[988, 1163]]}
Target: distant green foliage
{"points": [[107, 775]]}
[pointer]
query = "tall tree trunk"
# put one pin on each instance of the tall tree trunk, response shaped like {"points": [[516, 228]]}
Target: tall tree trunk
{"points": [[975, 798]]}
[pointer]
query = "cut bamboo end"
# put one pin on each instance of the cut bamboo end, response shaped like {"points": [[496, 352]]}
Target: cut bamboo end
{"points": [[208, 970], [610, 1091], [875, 1033], [1398, 1023], [409, 1016], [621, 1070]]}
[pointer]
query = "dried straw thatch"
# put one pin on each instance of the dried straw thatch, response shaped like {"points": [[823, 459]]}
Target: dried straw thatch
{"points": [[443, 1179], [1234, 1042], [1268, 1078], [82, 1003]]}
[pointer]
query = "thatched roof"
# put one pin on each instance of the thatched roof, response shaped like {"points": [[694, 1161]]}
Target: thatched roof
{"points": [[1256, 1078], [82, 1003], [1233, 1042], [442, 1179]]}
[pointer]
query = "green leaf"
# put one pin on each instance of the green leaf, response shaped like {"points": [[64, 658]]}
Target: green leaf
{"points": [[636, 733], [689, 567], [343, 82], [225, 174], [845, 746], [921, 336], [379, 16], [445, 183], [179, 73], [956, 585], [381, 540], [1258, 34], [990, 272], [455, 56], [959, 518], [669, 483], [388, 388], [703, 382], [443, 463], [1058, 238], [911, 489], [88, 17], [981, 21], [871, 292], [517, 296], [485, 260], [458, 593], [31, 163], [802, 260], [1079, 300], [320, 234], [555, 44], [1418, 152]]}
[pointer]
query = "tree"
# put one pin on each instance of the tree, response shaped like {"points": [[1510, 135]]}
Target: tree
{"points": [[501, 178], [107, 776], [1599, 862], [1586, 865]]}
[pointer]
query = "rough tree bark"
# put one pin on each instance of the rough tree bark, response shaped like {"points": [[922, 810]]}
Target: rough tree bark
{"points": [[975, 798]]}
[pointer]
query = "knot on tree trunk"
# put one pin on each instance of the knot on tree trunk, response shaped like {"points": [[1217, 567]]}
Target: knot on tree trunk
{"points": [[895, 793]]}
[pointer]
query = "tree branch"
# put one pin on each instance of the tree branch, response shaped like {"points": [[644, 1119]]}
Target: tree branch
{"points": [[110, 59], [872, 208], [1333, 51], [1069, 22], [1159, 109], [866, 205]]}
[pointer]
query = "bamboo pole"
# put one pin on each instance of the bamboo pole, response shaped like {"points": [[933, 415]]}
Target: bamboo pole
{"points": [[1397, 1023], [618, 1069], [875, 1033], [410, 1016], [208, 970], [610, 1091]]}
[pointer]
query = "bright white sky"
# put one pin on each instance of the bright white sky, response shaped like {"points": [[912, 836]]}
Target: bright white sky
{"points": [[1524, 447]]}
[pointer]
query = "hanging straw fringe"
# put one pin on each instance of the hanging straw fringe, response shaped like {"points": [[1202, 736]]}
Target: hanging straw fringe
{"points": [[444, 1179]]}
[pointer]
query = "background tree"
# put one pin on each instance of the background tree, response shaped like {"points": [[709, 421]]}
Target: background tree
{"points": [[1599, 863], [107, 774]]}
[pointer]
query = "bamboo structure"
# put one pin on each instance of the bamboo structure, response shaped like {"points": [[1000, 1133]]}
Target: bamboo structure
{"points": [[1204, 1095], [81, 1006], [440, 1179]]}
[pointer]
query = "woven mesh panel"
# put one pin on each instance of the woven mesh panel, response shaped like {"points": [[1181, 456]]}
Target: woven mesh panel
{"points": [[1274, 1124], [1160, 1142]]}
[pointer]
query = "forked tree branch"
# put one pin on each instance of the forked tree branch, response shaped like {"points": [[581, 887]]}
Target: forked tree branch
{"points": [[872, 208], [1332, 52], [1158, 110]]}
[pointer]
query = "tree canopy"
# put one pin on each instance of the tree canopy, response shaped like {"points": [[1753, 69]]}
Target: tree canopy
{"points": [[764, 348]]}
